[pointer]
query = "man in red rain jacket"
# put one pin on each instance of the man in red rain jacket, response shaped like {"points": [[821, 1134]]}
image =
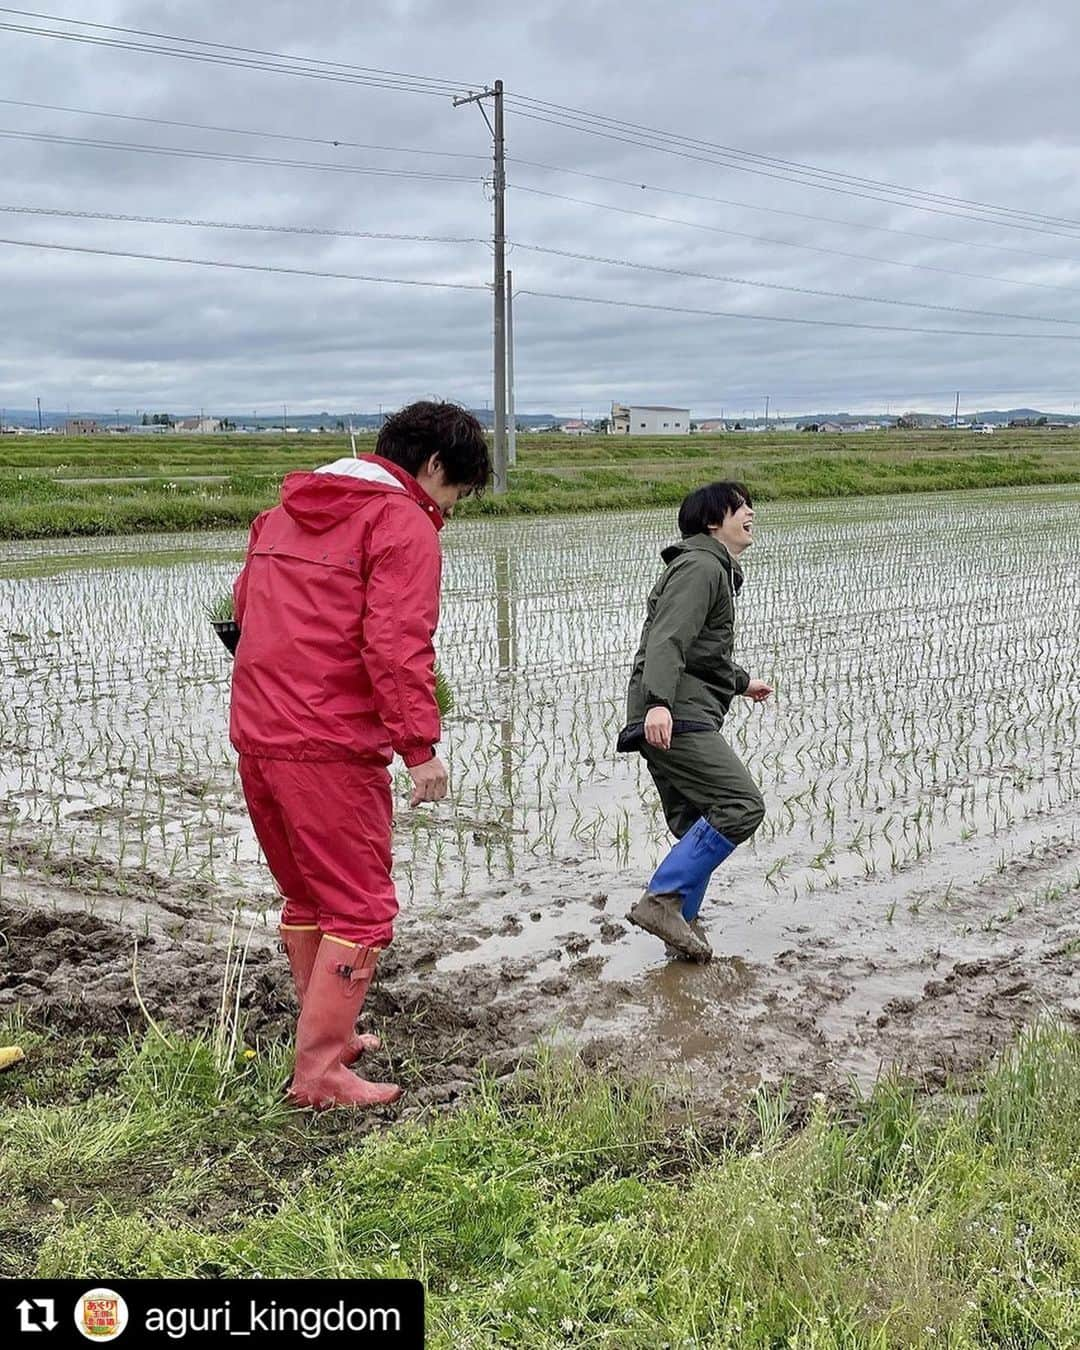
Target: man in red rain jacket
{"points": [[337, 604]]}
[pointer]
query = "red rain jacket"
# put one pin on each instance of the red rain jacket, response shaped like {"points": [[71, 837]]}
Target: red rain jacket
{"points": [[338, 603]]}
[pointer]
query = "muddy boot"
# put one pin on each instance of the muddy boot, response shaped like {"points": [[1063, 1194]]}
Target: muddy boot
{"points": [[661, 915], [683, 876], [301, 944], [336, 988], [698, 929]]}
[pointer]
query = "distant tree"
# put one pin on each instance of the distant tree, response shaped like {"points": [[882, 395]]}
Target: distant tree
{"points": [[603, 424], [737, 427], [145, 420]]}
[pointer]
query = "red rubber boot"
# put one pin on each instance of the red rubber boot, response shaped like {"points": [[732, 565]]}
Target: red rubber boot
{"points": [[337, 985], [300, 945]]}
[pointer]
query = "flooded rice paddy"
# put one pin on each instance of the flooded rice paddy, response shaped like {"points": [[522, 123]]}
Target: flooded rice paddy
{"points": [[913, 894]]}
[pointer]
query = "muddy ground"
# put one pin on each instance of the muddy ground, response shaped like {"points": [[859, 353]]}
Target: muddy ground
{"points": [[816, 992]]}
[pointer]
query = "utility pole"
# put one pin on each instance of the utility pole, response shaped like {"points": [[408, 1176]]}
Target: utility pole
{"points": [[39, 414], [499, 278], [511, 431], [956, 412], [766, 412]]}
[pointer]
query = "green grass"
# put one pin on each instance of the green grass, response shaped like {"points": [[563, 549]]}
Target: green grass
{"points": [[210, 482], [567, 1209]]}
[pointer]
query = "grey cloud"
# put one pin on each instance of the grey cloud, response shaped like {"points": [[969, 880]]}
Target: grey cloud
{"points": [[969, 100]]}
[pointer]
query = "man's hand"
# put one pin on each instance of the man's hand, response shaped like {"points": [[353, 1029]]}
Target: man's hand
{"points": [[429, 781], [658, 728], [757, 690]]}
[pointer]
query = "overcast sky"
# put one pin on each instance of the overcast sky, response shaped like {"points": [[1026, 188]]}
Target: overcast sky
{"points": [[971, 101]]}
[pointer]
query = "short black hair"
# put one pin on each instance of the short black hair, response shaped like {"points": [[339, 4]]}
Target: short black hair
{"points": [[711, 505], [414, 433]]}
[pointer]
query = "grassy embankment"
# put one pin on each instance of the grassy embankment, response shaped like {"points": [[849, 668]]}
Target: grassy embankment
{"points": [[566, 1210], [48, 487]]}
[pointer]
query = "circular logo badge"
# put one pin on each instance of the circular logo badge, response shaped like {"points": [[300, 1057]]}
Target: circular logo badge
{"points": [[101, 1314]]}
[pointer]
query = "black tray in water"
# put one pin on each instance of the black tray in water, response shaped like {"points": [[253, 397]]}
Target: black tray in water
{"points": [[229, 632]]}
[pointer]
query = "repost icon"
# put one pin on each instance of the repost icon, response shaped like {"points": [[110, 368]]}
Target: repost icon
{"points": [[37, 1314]]}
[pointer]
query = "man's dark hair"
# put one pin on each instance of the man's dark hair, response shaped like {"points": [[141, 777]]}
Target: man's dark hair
{"points": [[710, 505], [413, 434]]}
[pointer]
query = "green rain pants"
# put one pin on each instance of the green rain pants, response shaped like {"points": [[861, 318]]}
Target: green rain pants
{"points": [[702, 776]]}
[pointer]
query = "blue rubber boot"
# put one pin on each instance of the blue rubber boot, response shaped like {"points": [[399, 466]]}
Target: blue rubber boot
{"points": [[691, 905], [678, 885], [687, 868]]}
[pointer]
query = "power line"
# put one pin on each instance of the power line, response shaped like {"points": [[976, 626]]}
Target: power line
{"points": [[786, 243], [237, 225], [313, 71], [547, 295], [571, 118], [779, 286], [783, 318], [243, 131], [803, 182], [799, 215], [670, 140], [229, 47], [605, 178], [220, 156], [245, 267]]}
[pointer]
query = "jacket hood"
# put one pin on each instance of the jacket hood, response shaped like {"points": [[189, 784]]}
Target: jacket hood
{"points": [[705, 543], [319, 500]]}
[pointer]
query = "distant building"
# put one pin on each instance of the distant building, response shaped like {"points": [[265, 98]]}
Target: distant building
{"points": [[575, 427], [200, 425], [712, 424], [81, 426], [642, 420]]}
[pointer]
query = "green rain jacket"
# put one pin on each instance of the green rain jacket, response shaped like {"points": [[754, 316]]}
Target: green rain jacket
{"points": [[685, 660]]}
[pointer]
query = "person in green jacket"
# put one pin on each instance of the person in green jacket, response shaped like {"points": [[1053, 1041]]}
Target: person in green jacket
{"points": [[682, 683]]}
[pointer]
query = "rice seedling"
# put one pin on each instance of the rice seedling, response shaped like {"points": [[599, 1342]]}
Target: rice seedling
{"points": [[220, 608], [920, 648]]}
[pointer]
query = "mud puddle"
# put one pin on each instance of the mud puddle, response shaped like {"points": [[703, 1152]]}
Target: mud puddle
{"points": [[835, 993]]}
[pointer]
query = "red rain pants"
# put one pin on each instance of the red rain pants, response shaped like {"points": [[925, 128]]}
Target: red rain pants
{"points": [[325, 828]]}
